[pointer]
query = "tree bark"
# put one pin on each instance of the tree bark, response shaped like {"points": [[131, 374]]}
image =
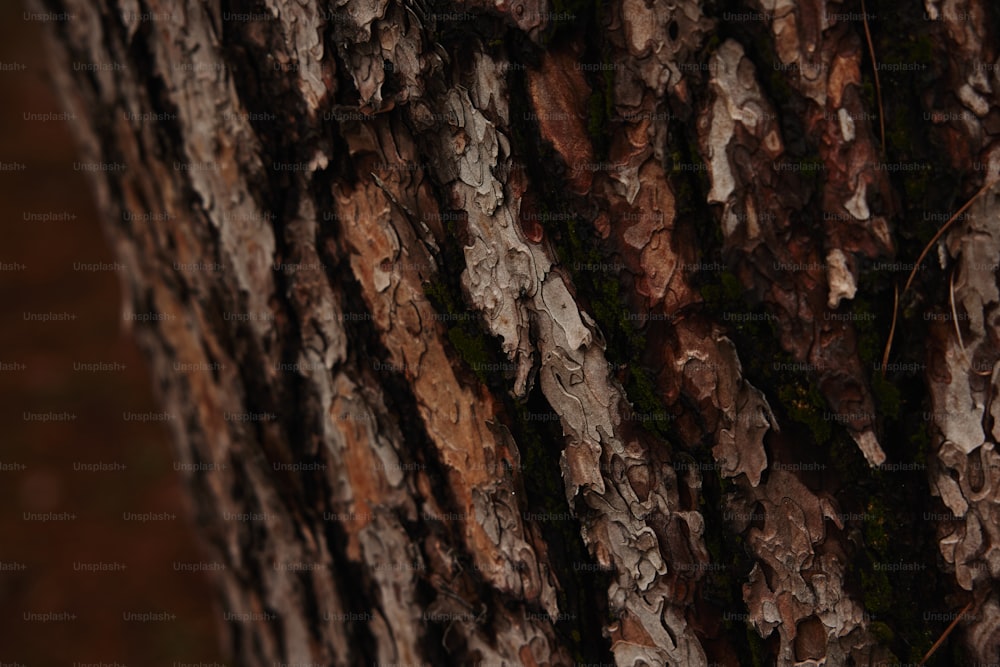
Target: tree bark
{"points": [[530, 333]]}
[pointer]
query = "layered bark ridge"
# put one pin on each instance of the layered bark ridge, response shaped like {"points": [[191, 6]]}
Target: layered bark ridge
{"points": [[761, 195], [396, 240], [962, 355]]}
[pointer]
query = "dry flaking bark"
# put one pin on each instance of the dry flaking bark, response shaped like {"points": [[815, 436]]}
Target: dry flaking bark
{"points": [[761, 200], [820, 54], [702, 364], [632, 521], [962, 352], [391, 264], [316, 171], [797, 585]]}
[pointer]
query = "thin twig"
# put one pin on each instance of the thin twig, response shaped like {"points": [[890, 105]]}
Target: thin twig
{"points": [[958, 330], [878, 85], [941, 231], [944, 635], [892, 329], [916, 265]]}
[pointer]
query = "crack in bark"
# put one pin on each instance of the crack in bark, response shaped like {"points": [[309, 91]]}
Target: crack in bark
{"points": [[639, 514]]}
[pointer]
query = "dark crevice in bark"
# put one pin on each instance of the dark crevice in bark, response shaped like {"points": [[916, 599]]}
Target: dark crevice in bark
{"points": [[354, 589], [236, 639], [287, 139], [278, 195], [167, 131], [731, 561], [307, 425], [455, 35], [576, 244], [253, 540], [312, 605], [303, 427], [582, 584], [891, 530], [891, 503], [345, 94], [539, 444], [400, 401], [604, 297], [366, 348], [907, 96], [758, 43], [905, 497], [586, 23]]}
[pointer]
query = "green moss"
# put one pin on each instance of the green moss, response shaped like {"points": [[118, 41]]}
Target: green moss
{"points": [[726, 485], [756, 647], [875, 587], [778, 88], [596, 119], [868, 93], [439, 296], [915, 183], [882, 632], [472, 350], [869, 337], [876, 591], [887, 396], [601, 107], [711, 44], [609, 86], [607, 304], [683, 189], [846, 459], [920, 441], [876, 537], [585, 12], [871, 312], [811, 168], [474, 346], [804, 403], [726, 293], [911, 46], [959, 656]]}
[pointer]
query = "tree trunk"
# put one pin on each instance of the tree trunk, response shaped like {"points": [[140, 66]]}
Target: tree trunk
{"points": [[521, 333]]}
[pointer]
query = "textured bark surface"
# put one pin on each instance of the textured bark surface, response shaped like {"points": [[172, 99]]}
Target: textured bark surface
{"points": [[548, 333]]}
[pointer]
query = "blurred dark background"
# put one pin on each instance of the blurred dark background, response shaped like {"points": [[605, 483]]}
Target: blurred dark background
{"points": [[96, 567]]}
